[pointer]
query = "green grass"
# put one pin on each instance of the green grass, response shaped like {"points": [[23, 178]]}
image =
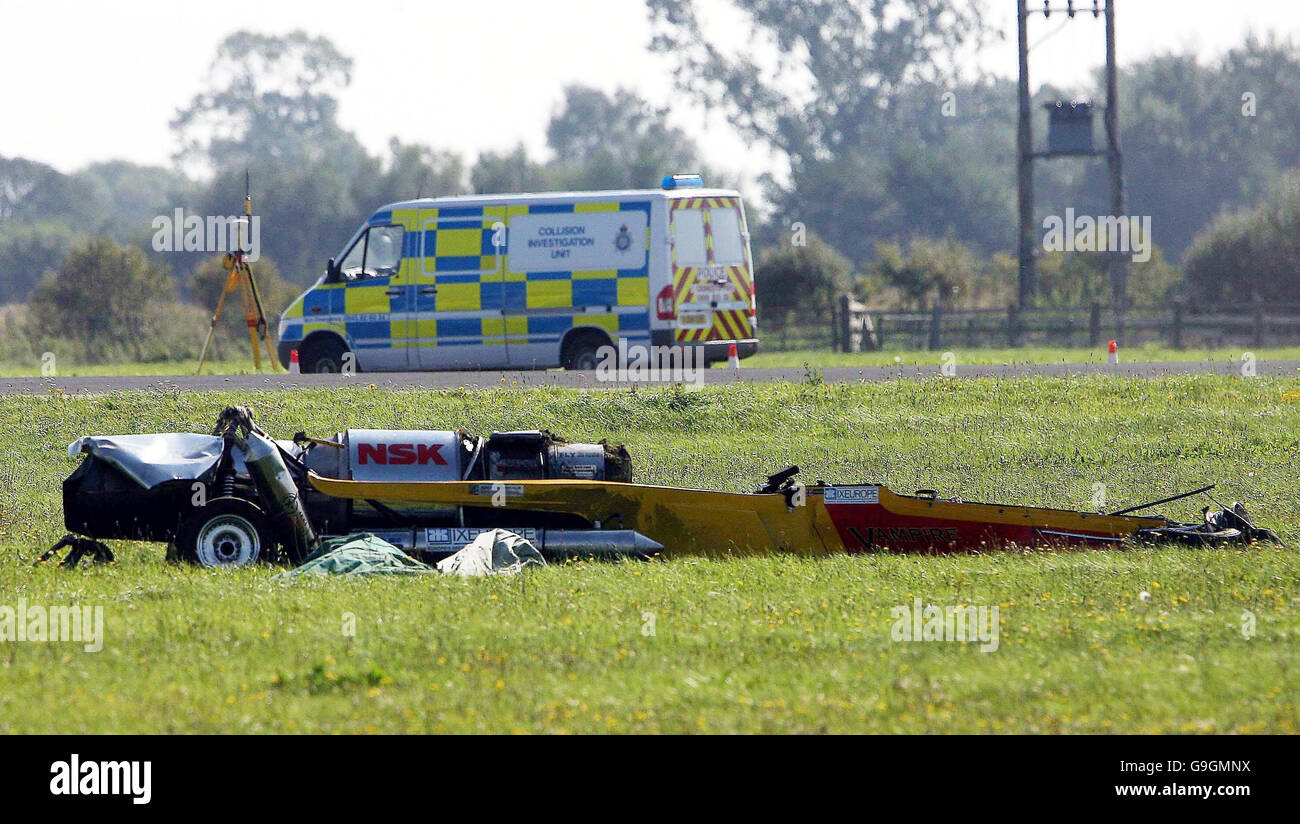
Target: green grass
{"points": [[769, 643], [1150, 353], [911, 357], [170, 368]]}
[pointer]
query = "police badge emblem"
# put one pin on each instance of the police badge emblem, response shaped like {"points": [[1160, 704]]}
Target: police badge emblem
{"points": [[623, 240]]}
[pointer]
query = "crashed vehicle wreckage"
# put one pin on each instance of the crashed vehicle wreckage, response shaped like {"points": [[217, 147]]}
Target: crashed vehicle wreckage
{"points": [[238, 497]]}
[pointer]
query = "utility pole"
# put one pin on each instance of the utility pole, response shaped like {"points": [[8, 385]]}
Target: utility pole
{"points": [[1119, 260], [1025, 168], [1069, 135]]}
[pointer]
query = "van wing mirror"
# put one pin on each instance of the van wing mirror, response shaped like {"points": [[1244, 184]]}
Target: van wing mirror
{"points": [[331, 270]]}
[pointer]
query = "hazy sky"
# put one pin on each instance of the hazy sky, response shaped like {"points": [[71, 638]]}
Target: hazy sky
{"points": [[88, 81]]}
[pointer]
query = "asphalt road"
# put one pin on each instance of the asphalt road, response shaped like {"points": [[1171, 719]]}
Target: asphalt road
{"points": [[589, 380]]}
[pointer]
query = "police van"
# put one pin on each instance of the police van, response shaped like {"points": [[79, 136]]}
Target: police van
{"points": [[531, 281]]}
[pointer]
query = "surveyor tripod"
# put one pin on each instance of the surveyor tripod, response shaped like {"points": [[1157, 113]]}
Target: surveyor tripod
{"points": [[240, 278]]}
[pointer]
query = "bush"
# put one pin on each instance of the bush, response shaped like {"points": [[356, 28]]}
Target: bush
{"points": [[1070, 279], [804, 278], [913, 277], [112, 304], [105, 303], [1255, 252], [14, 344]]}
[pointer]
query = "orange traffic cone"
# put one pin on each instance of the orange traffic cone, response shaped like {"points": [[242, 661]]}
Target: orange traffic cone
{"points": [[294, 369], [733, 359], [1113, 353]]}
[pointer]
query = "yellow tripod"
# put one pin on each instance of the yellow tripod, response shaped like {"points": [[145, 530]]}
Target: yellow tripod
{"points": [[241, 277]]}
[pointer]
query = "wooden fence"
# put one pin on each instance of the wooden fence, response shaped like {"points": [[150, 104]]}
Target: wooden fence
{"points": [[850, 326]]}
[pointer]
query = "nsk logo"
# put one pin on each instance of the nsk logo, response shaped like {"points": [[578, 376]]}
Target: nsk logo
{"points": [[400, 454]]}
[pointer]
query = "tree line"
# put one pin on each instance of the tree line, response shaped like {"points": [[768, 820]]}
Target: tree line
{"points": [[895, 175]]}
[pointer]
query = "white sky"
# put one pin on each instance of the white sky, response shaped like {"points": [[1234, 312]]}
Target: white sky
{"points": [[89, 81]]}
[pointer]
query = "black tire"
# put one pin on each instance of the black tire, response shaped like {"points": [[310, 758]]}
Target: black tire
{"points": [[582, 352], [322, 356], [226, 533]]}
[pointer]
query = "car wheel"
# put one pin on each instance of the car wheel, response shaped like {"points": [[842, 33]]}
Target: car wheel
{"points": [[323, 357], [584, 354], [227, 533]]}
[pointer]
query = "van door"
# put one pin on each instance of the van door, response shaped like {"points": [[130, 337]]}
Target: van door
{"points": [[576, 265], [458, 320], [376, 273], [712, 270]]}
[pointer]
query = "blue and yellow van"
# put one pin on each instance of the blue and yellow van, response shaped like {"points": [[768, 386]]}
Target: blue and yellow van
{"points": [[531, 281]]}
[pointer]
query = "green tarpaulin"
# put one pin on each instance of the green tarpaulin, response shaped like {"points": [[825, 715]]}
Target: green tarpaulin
{"points": [[495, 552], [359, 554]]}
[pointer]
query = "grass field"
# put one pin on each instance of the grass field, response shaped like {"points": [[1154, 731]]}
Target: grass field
{"points": [[72, 370], [911, 357], [770, 643], [1149, 353]]}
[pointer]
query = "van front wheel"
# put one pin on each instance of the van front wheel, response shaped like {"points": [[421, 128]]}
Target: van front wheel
{"points": [[324, 356]]}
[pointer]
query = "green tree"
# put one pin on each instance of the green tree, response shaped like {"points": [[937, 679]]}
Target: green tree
{"points": [[599, 141], [617, 141], [852, 94], [15, 347], [32, 191], [838, 68], [412, 170], [1194, 144], [273, 111], [125, 197], [508, 172], [274, 101], [27, 251]]}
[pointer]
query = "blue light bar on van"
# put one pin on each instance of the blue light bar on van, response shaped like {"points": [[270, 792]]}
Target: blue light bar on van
{"points": [[683, 181]]}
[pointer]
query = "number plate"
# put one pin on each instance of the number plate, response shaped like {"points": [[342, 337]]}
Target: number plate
{"points": [[693, 320]]}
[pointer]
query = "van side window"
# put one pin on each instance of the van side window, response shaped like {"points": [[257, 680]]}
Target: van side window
{"points": [[384, 252], [377, 253], [688, 237]]}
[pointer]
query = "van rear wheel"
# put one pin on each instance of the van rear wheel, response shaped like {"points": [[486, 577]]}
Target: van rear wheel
{"points": [[323, 356], [582, 352]]}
